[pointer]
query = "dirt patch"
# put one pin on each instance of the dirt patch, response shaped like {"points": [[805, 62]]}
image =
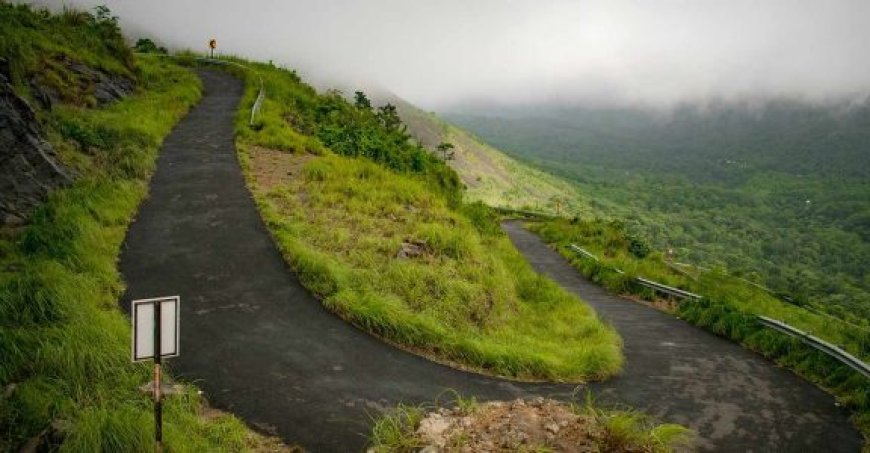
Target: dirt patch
{"points": [[272, 168], [665, 305], [519, 425]]}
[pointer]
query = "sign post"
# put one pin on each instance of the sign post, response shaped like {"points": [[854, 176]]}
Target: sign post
{"points": [[155, 336], [212, 45]]}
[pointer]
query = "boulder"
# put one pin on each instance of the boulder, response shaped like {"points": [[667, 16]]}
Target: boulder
{"points": [[107, 88]]}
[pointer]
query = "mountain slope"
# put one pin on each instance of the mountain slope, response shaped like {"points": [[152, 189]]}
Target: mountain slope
{"points": [[777, 193], [65, 372], [490, 175]]}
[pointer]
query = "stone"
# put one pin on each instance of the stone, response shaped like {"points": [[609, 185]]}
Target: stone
{"points": [[29, 169], [553, 428], [432, 429], [411, 249], [107, 87]]}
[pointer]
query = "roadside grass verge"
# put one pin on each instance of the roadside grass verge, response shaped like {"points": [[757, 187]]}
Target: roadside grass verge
{"points": [[729, 307], [465, 295], [65, 371]]}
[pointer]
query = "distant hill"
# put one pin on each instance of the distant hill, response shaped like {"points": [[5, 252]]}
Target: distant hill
{"points": [[777, 191], [490, 175], [723, 142]]}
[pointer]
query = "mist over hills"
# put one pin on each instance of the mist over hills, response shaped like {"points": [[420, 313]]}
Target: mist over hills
{"points": [[719, 141], [777, 189]]}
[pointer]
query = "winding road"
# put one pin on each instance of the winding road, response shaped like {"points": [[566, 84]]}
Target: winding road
{"points": [[262, 347]]}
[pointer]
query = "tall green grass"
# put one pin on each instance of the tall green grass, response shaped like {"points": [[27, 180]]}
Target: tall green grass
{"points": [[64, 343], [470, 297], [729, 308]]}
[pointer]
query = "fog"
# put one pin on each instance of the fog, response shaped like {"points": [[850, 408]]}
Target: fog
{"points": [[440, 54]]}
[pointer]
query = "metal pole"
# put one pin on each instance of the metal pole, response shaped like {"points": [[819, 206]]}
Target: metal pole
{"points": [[158, 404]]}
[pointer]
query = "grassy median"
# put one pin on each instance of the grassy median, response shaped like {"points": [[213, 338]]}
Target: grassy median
{"points": [[376, 226]]}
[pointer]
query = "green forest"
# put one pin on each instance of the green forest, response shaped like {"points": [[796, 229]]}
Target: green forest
{"points": [[775, 192]]}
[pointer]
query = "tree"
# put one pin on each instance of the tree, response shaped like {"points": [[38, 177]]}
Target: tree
{"points": [[103, 15], [145, 45], [389, 116], [361, 101], [446, 150]]}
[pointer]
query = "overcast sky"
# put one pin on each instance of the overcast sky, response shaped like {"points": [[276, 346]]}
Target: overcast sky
{"points": [[438, 53]]}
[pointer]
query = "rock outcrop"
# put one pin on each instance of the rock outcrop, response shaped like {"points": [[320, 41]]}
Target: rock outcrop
{"points": [[85, 81], [29, 168]]}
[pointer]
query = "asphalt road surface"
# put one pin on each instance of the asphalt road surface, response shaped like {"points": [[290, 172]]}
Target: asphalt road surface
{"points": [[262, 347]]}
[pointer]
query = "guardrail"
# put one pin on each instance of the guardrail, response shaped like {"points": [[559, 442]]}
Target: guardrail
{"points": [[647, 283], [255, 109], [669, 290], [261, 94], [258, 103], [810, 340], [584, 252], [815, 342], [524, 213]]}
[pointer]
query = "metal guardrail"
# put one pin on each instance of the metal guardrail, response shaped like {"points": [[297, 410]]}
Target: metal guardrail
{"points": [[669, 290], [584, 252], [255, 109], [261, 94], [822, 345], [815, 342], [526, 214]]}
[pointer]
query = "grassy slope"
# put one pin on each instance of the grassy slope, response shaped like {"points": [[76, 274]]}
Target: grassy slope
{"points": [[470, 298], [491, 176], [64, 344], [729, 309]]}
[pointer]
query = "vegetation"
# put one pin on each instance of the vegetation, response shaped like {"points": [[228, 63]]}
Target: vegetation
{"points": [[295, 118], [35, 45], [145, 45], [375, 227], [775, 192], [729, 309], [63, 341]]}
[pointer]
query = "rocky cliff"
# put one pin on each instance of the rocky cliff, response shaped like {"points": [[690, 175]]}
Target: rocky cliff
{"points": [[29, 167]]}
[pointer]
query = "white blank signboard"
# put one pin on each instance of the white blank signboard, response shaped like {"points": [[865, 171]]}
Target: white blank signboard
{"points": [[142, 316]]}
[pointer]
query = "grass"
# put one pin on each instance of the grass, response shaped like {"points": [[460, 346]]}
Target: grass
{"points": [[395, 430], [469, 298], [729, 308], [631, 430], [63, 341]]}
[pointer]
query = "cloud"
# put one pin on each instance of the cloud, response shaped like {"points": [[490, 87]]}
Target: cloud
{"points": [[439, 53]]}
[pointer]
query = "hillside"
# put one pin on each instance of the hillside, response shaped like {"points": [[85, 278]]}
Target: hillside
{"points": [[490, 175], [775, 192], [378, 227], [83, 119]]}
